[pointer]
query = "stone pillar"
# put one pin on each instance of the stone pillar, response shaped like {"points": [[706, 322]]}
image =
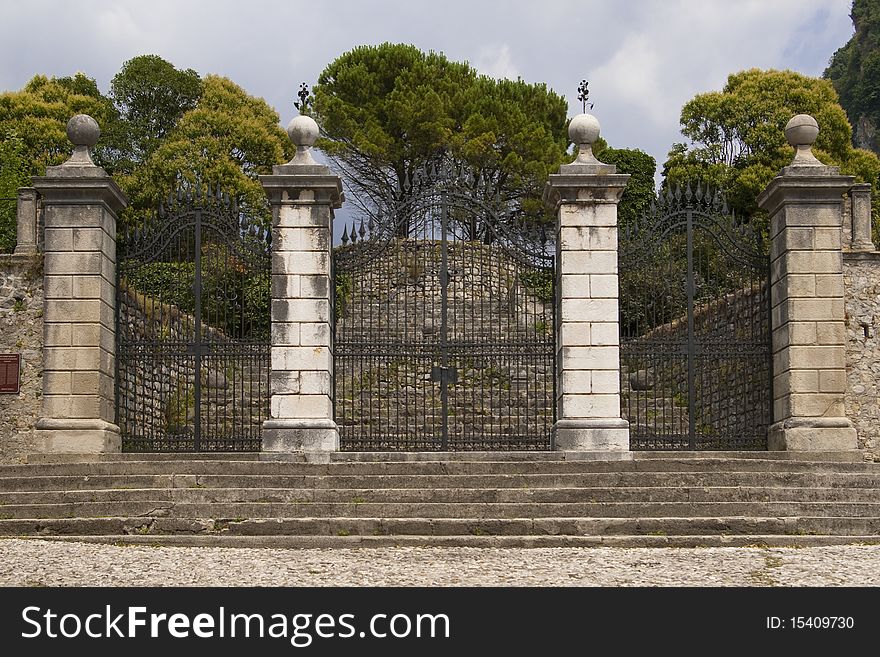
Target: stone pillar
{"points": [[805, 204], [303, 195], [80, 204], [26, 230], [585, 194], [860, 202]]}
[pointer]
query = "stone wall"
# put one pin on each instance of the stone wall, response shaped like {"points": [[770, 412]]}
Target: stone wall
{"points": [[861, 275], [21, 331]]}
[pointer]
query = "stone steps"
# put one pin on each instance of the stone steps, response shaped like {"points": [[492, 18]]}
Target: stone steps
{"points": [[469, 540], [478, 499], [481, 511], [434, 481], [364, 526], [202, 495]]}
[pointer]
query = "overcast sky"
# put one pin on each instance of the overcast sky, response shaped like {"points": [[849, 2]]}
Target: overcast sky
{"points": [[643, 58]]}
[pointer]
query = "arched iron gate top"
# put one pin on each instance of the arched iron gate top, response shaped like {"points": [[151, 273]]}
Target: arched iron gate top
{"points": [[695, 326], [193, 288], [441, 340]]}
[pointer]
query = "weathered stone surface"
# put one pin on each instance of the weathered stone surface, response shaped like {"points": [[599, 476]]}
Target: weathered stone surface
{"points": [[21, 332]]}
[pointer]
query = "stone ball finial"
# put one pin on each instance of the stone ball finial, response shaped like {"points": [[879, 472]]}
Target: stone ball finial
{"points": [[83, 132], [583, 130], [303, 132], [801, 132]]}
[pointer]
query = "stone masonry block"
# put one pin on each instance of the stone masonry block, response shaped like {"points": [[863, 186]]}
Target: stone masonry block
{"points": [[301, 358], [79, 310], [72, 358], [590, 406], [86, 382], [285, 333], [806, 310], [796, 381], [814, 262], [575, 286], [832, 381], [589, 310], [604, 334], [793, 285], [802, 333], [91, 335], [829, 285], [576, 382], [58, 239], [315, 334], [297, 216], [817, 404], [72, 406], [315, 383], [315, 287], [301, 406], [588, 262], [603, 286], [827, 239], [89, 287], [286, 286], [817, 357], [828, 333], [58, 287], [588, 238], [606, 382], [301, 310], [301, 262], [581, 214], [311, 238], [57, 383], [590, 358], [79, 263], [284, 383], [573, 334], [88, 239], [57, 335]]}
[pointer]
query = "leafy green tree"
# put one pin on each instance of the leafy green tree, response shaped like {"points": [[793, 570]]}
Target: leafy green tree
{"points": [[387, 111], [38, 116], [738, 134], [151, 96], [13, 174], [639, 190], [854, 70], [227, 140]]}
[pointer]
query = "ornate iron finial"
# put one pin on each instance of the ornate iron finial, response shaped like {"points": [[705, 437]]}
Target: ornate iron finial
{"points": [[303, 97], [584, 94]]}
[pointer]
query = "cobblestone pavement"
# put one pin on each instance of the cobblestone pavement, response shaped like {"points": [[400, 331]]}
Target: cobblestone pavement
{"points": [[48, 563]]}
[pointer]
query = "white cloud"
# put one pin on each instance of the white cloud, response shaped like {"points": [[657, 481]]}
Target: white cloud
{"points": [[496, 62], [644, 58]]}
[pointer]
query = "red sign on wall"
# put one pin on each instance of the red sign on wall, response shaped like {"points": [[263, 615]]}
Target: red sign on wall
{"points": [[10, 370]]}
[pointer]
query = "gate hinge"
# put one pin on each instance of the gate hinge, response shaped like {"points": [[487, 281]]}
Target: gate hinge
{"points": [[444, 374]]}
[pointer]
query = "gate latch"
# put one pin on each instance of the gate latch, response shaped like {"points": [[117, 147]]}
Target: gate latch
{"points": [[444, 374]]}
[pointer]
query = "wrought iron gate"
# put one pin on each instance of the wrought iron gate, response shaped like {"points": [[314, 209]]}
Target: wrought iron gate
{"points": [[444, 332], [193, 328], [695, 327]]}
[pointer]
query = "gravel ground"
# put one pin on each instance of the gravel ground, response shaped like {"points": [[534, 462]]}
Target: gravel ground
{"points": [[48, 563]]}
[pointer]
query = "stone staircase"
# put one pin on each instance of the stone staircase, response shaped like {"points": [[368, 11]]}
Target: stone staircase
{"points": [[463, 499]]}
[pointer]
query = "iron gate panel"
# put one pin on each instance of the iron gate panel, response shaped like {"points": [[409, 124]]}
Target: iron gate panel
{"points": [[193, 289], [444, 331], [695, 327]]}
